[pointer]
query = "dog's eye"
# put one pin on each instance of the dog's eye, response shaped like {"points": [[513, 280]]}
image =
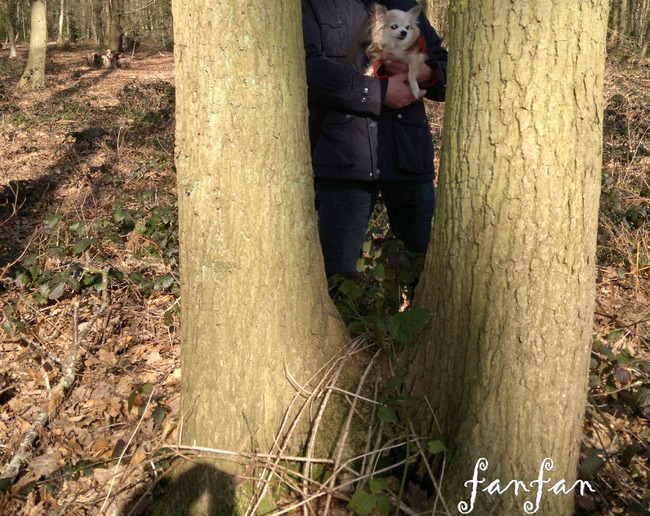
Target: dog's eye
{"points": [[393, 26], [408, 27]]}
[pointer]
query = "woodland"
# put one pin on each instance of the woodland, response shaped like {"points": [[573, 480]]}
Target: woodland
{"points": [[90, 377]]}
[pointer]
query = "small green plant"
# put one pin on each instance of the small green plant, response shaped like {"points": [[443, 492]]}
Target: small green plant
{"points": [[620, 376], [373, 300], [620, 388], [376, 499]]}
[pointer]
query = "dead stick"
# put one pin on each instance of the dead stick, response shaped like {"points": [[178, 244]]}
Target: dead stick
{"points": [[24, 452]]}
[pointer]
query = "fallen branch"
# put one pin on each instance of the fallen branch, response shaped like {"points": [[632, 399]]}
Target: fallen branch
{"points": [[25, 450], [55, 398]]}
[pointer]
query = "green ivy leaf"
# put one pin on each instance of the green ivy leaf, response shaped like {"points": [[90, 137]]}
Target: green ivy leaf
{"points": [[395, 382], [146, 388], [131, 400], [50, 222], [159, 415], [377, 485], [403, 325], [614, 335], [122, 215], [591, 464], [81, 245], [387, 415], [362, 503], [437, 445], [383, 505], [628, 453]]}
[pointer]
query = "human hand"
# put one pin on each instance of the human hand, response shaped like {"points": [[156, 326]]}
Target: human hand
{"points": [[398, 93], [425, 73], [394, 66]]}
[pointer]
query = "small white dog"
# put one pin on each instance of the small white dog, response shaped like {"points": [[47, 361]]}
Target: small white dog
{"points": [[396, 32]]}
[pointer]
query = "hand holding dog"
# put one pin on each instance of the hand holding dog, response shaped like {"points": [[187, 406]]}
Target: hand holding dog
{"points": [[394, 66], [398, 94]]}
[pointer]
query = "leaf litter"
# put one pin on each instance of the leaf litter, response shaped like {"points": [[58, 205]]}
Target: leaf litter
{"points": [[88, 254]]}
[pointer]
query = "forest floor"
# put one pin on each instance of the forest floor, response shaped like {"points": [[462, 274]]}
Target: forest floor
{"points": [[89, 294]]}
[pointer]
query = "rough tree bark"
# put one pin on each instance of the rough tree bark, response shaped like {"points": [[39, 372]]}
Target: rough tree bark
{"points": [[509, 276], [254, 295], [34, 74]]}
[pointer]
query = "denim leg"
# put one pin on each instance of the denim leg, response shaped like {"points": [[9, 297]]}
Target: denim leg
{"points": [[344, 209], [410, 210]]}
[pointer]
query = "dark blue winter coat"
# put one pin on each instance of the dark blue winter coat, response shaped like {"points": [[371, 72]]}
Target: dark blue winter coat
{"points": [[353, 135]]}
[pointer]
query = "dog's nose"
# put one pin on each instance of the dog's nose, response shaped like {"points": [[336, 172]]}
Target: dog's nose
{"points": [[403, 34]]}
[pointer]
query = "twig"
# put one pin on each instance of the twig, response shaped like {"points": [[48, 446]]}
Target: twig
{"points": [[289, 433], [353, 395], [102, 308], [348, 424], [15, 207], [55, 398], [365, 461], [39, 349], [23, 453], [246, 455], [432, 477], [326, 371], [11, 264]]}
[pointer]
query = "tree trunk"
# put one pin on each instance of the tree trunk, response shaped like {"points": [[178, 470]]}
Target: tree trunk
{"points": [[509, 276], [115, 31], [99, 25], [622, 27], [34, 74], [11, 32], [59, 39], [436, 12], [255, 303], [646, 40]]}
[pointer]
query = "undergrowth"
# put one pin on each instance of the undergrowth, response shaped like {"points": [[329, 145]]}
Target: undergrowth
{"points": [[115, 234]]}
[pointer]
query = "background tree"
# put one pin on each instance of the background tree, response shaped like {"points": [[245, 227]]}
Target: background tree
{"points": [[629, 24], [98, 25], [62, 17], [255, 302], [9, 18], [116, 30], [509, 276], [34, 74], [437, 11]]}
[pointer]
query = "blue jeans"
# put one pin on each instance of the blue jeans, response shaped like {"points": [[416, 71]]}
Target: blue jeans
{"points": [[344, 209]]}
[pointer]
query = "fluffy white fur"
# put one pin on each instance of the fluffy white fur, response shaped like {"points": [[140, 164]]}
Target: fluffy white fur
{"points": [[396, 32]]}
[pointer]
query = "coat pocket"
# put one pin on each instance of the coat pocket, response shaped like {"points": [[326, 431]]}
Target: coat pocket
{"points": [[413, 143], [340, 140], [334, 35]]}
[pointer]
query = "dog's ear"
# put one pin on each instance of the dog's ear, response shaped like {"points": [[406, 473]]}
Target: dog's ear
{"points": [[416, 11], [379, 13]]}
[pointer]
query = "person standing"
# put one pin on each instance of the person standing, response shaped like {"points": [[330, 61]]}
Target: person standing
{"points": [[368, 134]]}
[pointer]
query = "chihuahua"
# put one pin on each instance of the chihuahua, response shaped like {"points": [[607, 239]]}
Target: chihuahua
{"points": [[396, 32]]}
